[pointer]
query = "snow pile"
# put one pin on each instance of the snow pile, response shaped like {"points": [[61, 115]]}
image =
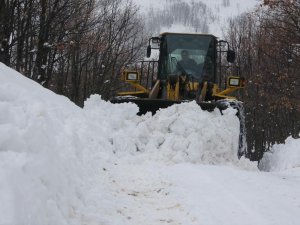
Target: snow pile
{"points": [[181, 133], [59, 163], [282, 156]]}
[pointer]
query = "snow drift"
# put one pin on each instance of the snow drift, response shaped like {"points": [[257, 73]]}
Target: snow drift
{"points": [[282, 156]]}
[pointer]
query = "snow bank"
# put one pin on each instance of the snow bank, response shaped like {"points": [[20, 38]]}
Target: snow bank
{"points": [[37, 185], [54, 155], [282, 156]]}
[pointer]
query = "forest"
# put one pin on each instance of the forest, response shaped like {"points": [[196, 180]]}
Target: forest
{"points": [[79, 47], [75, 48], [267, 42]]}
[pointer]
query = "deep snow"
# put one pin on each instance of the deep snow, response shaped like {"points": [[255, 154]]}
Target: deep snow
{"points": [[60, 164]]}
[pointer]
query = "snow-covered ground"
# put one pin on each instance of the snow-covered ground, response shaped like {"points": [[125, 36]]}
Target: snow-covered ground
{"points": [[103, 165]]}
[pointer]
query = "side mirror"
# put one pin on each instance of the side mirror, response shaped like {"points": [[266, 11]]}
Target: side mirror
{"points": [[148, 51], [230, 56]]}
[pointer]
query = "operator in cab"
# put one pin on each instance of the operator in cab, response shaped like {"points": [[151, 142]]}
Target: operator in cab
{"points": [[187, 64]]}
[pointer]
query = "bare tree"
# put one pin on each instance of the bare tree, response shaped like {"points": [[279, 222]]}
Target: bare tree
{"points": [[7, 9], [267, 43]]}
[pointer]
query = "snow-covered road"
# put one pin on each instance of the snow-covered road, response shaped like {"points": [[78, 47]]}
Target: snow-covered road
{"points": [[198, 194]]}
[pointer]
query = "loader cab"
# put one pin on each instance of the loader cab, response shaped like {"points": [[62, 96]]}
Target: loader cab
{"points": [[201, 49]]}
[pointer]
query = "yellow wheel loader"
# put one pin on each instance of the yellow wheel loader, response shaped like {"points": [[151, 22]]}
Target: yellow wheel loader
{"points": [[189, 68]]}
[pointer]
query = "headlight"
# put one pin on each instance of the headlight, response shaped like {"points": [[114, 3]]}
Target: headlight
{"points": [[132, 76], [236, 82]]}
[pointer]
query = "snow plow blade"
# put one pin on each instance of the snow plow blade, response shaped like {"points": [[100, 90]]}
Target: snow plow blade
{"points": [[153, 105]]}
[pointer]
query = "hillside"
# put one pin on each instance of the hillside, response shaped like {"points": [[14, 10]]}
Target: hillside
{"points": [[192, 15]]}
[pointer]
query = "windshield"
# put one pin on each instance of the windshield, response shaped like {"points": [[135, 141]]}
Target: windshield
{"points": [[194, 55]]}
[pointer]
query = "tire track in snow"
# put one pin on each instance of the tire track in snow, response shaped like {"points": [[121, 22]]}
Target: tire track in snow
{"points": [[142, 196]]}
